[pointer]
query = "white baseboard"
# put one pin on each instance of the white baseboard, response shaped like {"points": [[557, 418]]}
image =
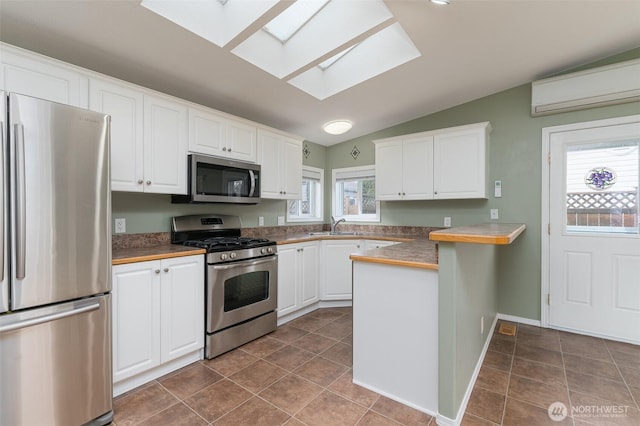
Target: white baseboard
{"points": [[520, 320], [395, 398], [446, 421], [127, 384]]}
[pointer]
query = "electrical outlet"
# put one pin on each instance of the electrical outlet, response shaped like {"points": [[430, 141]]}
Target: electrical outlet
{"points": [[280, 220], [121, 225], [447, 221], [481, 325], [261, 221], [494, 214]]}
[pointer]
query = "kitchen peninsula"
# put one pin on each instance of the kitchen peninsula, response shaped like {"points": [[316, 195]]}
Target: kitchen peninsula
{"points": [[422, 315]]}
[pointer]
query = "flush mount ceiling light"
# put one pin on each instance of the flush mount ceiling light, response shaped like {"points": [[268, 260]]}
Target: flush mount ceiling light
{"points": [[337, 127], [440, 1]]}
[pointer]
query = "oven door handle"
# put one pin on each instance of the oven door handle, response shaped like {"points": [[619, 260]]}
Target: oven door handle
{"points": [[250, 262]]}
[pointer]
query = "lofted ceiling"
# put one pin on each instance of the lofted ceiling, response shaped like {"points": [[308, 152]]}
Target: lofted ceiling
{"points": [[469, 49]]}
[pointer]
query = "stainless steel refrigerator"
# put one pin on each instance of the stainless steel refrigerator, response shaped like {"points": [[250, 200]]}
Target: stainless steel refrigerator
{"points": [[55, 306]]}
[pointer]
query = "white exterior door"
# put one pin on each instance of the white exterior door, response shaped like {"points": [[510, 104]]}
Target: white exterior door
{"points": [[594, 241]]}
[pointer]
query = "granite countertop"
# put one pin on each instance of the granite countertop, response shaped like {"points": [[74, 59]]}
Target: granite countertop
{"points": [[304, 237], [488, 233], [419, 253], [142, 254]]}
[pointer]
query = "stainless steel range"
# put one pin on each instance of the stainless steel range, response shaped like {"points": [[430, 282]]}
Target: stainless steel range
{"points": [[241, 279]]}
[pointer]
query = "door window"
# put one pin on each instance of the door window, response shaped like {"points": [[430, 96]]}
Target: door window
{"points": [[602, 187]]}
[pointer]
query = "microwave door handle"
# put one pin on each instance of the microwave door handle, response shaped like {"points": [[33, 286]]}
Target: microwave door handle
{"points": [[252, 177], [21, 214]]}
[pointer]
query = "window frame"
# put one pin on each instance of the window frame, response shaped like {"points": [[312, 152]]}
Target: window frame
{"points": [[353, 172], [307, 171]]}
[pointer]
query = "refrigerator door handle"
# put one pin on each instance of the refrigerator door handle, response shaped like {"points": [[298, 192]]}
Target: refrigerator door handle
{"points": [[21, 212], [65, 311], [3, 247]]}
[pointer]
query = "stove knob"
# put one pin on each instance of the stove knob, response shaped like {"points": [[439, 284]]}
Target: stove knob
{"points": [[270, 249], [223, 256], [232, 255], [263, 251]]}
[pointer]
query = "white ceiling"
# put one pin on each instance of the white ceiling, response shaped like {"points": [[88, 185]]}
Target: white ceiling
{"points": [[470, 49]]}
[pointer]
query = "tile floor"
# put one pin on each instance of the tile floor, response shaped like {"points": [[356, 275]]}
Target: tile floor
{"points": [[301, 375]]}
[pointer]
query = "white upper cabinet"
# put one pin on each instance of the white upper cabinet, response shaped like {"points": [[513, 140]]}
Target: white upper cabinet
{"points": [[148, 137], [214, 134], [125, 105], [33, 75], [460, 163], [165, 145], [404, 169], [280, 158], [441, 164]]}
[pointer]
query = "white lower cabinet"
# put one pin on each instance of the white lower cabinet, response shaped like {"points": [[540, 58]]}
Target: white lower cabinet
{"points": [[336, 283], [298, 276], [158, 318]]}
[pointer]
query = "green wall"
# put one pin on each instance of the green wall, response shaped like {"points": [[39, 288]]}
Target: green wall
{"points": [[515, 158], [152, 212]]}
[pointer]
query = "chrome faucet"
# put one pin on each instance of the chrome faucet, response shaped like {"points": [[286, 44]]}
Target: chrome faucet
{"points": [[335, 223]]}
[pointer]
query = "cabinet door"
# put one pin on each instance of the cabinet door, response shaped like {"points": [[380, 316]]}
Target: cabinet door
{"points": [[459, 165], [182, 306], [389, 170], [269, 160], [336, 284], [241, 141], [291, 168], [42, 78], [310, 273], [417, 168], [165, 146], [125, 106], [207, 132], [136, 318], [288, 273]]}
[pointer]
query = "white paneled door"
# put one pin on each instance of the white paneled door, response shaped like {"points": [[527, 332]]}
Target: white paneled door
{"points": [[594, 237]]}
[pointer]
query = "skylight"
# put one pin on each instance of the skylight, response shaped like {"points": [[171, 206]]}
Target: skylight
{"points": [[310, 44], [289, 22], [332, 60]]}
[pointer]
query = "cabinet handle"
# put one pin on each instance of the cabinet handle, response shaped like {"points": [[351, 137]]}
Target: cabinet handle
{"points": [[229, 149], [404, 193], [140, 181], [435, 192], [157, 271], [224, 148], [166, 269], [399, 193], [148, 182], [284, 192], [358, 246]]}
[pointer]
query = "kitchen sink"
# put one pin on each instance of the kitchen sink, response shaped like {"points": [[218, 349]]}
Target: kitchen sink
{"points": [[334, 233]]}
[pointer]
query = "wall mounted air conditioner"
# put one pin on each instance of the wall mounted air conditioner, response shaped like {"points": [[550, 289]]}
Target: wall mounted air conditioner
{"points": [[612, 84]]}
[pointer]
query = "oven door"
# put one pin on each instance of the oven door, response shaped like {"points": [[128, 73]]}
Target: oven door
{"points": [[239, 291]]}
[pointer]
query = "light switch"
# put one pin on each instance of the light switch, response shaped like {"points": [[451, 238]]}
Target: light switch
{"points": [[280, 220], [498, 189]]}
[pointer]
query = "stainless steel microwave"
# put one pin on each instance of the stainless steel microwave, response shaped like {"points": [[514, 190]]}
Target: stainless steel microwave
{"points": [[218, 180]]}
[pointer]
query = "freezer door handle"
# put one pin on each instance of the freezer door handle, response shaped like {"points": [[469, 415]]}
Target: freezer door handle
{"points": [[21, 232], [64, 311]]}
